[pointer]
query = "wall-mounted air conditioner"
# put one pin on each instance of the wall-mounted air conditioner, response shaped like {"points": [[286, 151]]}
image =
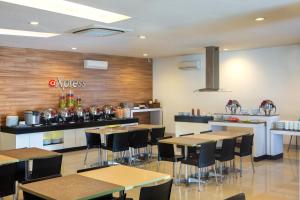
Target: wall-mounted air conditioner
{"points": [[190, 65], [95, 64]]}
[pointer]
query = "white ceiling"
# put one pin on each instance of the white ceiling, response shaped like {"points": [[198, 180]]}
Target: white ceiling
{"points": [[172, 27]]}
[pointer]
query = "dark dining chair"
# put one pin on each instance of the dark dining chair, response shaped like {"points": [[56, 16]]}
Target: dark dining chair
{"points": [[155, 135], [117, 143], [226, 154], [204, 157], [46, 167], [138, 139], [245, 149], [156, 192], [240, 196], [93, 141], [7, 180], [166, 153]]}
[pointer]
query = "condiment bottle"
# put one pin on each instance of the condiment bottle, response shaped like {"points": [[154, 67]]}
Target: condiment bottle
{"points": [[198, 112], [193, 112]]}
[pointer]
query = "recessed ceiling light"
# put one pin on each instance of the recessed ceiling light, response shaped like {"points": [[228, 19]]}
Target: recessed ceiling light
{"points": [[74, 48], [34, 23], [225, 49], [142, 37], [26, 33], [145, 54], [259, 19], [72, 9]]}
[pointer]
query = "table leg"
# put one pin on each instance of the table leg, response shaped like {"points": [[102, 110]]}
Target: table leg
{"points": [[186, 167], [26, 170]]}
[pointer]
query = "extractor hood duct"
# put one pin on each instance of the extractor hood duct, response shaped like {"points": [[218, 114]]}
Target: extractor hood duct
{"points": [[212, 71]]}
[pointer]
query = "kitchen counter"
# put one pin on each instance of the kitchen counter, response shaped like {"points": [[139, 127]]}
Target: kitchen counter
{"points": [[65, 126], [61, 137], [191, 124], [261, 115], [195, 119]]}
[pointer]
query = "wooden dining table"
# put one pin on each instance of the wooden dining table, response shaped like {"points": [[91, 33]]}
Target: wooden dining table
{"points": [[7, 160], [27, 154], [109, 130], [218, 135], [128, 177], [71, 187]]}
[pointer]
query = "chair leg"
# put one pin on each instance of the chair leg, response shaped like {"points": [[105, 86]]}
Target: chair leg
{"points": [[221, 172], [199, 180], [180, 165], [85, 158], [252, 163], [157, 167], [234, 169], [174, 170], [99, 156], [215, 171], [241, 166], [290, 143]]}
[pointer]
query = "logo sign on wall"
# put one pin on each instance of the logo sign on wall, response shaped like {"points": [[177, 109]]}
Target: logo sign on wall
{"points": [[63, 84]]}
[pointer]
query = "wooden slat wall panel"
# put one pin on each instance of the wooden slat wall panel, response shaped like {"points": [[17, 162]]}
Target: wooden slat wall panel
{"points": [[24, 76]]}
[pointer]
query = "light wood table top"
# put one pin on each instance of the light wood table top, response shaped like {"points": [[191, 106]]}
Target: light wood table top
{"points": [[28, 153], [230, 134], [122, 129], [218, 135], [71, 187], [149, 126], [7, 160], [129, 177], [185, 141]]}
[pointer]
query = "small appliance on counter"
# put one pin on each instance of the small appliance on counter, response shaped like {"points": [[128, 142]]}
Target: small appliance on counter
{"points": [[233, 105], [12, 120], [268, 107], [49, 116], [32, 117], [109, 111]]}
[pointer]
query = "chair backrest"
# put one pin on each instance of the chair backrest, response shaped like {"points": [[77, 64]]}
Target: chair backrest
{"points": [[165, 151], [159, 192], [138, 138], [92, 140], [7, 179], [44, 167], [206, 154], [28, 196], [156, 134], [240, 196], [227, 150], [118, 142], [246, 145]]}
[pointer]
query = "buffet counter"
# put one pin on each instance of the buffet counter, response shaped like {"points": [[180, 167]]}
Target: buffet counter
{"points": [[264, 145], [54, 137]]}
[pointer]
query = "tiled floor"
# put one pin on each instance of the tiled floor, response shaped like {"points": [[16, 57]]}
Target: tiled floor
{"points": [[273, 180]]}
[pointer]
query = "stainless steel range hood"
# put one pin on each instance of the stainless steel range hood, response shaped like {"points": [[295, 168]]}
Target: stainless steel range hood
{"points": [[212, 71]]}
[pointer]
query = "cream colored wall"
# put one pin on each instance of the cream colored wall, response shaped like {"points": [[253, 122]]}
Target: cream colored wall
{"points": [[251, 75]]}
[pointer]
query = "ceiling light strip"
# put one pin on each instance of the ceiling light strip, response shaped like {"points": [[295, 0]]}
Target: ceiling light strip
{"points": [[72, 9], [26, 33]]}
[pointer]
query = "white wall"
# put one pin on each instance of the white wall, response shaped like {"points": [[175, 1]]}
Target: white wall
{"points": [[252, 76]]}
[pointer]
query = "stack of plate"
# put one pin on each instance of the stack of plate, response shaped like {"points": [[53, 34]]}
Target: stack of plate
{"points": [[280, 125]]}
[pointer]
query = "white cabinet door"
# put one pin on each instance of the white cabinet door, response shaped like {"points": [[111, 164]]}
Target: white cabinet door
{"points": [[36, 140], [80, 137], [69, 138], [22, 141]]}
